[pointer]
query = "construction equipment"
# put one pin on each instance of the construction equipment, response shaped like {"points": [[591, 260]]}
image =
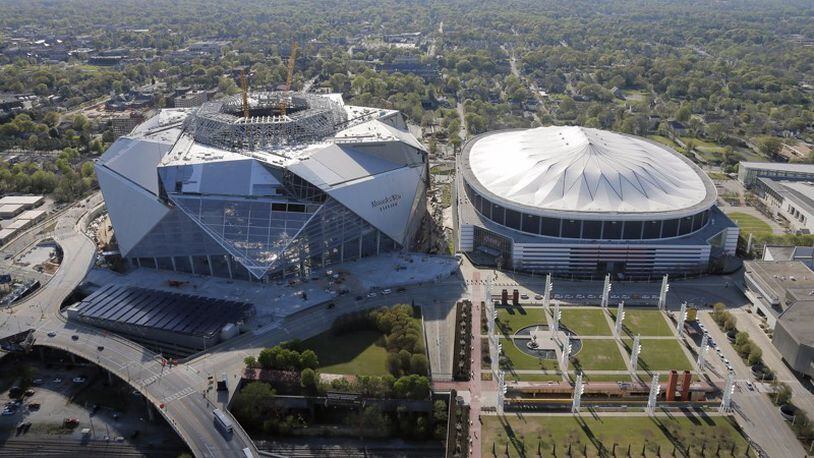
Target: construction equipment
{"points": [[244, 86], [292, 58]]}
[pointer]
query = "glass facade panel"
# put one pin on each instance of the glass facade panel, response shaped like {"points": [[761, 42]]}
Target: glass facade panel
{"points": [[633, 230], [498, 214], [669, 228], [550, 227], [652, 230], [612, 230], [531, 224], [571, 228], [512, 219], [685, 227], [591, 230]]}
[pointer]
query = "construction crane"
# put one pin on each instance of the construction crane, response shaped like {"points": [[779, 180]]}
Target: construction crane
{"points": [[244, 86], [291, 61]]}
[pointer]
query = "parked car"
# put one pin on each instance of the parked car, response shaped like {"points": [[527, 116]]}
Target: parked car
{"points": [[78, 380], [52, 334]]}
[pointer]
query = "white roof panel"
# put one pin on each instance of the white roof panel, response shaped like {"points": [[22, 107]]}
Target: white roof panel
{"points": [[583, 169]]}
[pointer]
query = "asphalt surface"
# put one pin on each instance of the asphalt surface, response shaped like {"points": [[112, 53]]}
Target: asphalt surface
{"points": [[178, 389]]}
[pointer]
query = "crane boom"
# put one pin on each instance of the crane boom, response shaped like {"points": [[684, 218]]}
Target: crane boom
{"points": [[292, 59]]}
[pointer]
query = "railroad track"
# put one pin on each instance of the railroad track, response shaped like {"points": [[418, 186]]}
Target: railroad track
{"points": [[70, 448]]}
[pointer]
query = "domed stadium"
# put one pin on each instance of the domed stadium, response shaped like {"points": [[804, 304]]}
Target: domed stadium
{"points": [[585, 202]]}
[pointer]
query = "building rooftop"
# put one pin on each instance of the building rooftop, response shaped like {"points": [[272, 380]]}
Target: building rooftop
{"points": [[784, 166], [776, 278], [30, 214], [798, 320], [799, 192], [22, 200], [161, 310], [578, 169]]}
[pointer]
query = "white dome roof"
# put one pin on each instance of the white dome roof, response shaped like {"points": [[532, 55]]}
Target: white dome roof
{"points": [[586, 170]]}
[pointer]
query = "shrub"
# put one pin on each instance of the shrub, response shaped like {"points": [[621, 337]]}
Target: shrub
{"points": [[418, 364], [308, 379]]}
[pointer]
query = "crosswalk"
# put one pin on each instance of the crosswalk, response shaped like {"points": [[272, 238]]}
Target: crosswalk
{"points": [[181, 394]]}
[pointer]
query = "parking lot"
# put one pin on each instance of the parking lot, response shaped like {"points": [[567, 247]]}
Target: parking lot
{"points": [[75, 403]]}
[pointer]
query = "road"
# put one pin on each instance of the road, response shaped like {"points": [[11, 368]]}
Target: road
{"points": [[753, 410], [178, 388]]}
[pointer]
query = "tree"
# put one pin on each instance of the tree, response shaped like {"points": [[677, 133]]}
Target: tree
{"points": [[418, 364], [755, 353], [267, 357], [730, 322], [308, 379], [252, 402], [683, 114], [768, 146], [782, 393], [393, 363], [412, 387], [308, 359], [404, 360], [372, 419], [250, 361]]}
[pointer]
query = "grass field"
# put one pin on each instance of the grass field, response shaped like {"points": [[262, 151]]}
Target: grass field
{"points": [[611, 436], [749, 223], [516, 359], [354, 353], [512, 319], [600, 355], [660, 355], [645, 322], [663, 140], [703, 145], [586, 322]]}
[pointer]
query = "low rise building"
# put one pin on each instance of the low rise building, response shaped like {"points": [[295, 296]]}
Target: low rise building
{"points": [[6, 235], [10, 210], [792, 200], [774, 286], [804, 254], [191, 99], [28, 201], [794, 333], [749, 172]]}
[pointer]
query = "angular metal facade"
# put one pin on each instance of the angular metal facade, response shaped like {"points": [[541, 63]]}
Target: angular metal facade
{"points": [[255, 216]]}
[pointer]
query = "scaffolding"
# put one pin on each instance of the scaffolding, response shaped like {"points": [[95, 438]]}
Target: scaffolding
{"points": [[306, 118]]}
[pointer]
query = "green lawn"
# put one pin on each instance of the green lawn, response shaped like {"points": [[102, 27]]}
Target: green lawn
{"points": [[645, 322], [512, 319], [749, 223], [600, 355], [516, 359], [703, 145], [586, 322], [660, 355], [663, 140], [354, 353], [610, 436]]}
